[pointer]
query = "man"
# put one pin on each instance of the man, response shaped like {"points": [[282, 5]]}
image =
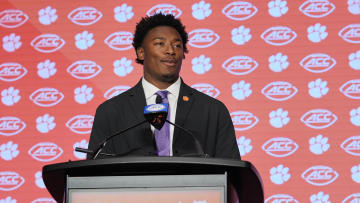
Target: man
{"points": [[160, 45]]}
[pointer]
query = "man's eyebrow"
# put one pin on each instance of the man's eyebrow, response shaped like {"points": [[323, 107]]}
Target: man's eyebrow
{"points": [[155, 38], [163, 38]]}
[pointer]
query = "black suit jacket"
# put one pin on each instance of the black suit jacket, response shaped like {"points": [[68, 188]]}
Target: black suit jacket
{"points": [[207, 118]]}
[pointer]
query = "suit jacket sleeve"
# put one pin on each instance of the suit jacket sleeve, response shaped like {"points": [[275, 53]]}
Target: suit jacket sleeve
{"points": [[226, 145], [100, 129]]}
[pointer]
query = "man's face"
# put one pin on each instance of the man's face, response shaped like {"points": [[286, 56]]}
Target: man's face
{"points": [[162, 52]]}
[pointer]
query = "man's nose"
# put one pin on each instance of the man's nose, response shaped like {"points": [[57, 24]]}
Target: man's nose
{"points": [[170, 50]]}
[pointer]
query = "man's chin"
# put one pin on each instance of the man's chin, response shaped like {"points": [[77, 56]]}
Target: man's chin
{"points": [[169, 78]]}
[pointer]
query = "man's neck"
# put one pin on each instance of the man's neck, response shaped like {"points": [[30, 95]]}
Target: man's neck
{"points": [[161, 84]]}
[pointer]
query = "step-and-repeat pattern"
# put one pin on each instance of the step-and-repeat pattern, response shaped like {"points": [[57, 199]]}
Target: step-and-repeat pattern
{"points": [[288, 71]]}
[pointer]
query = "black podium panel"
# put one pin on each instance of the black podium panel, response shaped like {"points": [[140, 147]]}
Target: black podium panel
{"points": [[241, 174]]}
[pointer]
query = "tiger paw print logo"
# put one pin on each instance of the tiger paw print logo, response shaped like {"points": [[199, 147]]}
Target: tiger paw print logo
{"points": [[9, 151]]}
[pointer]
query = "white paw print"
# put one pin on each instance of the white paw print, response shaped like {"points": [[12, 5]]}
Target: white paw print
{"points": [[354, 60], [201, 64], [318, 88], [39, 180], [240, 35], [355, 173], [355, 116], [82, 144], [11, 42], [122, 67], [241, 90], [8, 151], [244, 145], [201, 10], [320, 197], [318, 144], [278, 62], [47, 15], [317, 32], [279, 118], [84, 40], [10, 96], [45, 123], [123, 13], [277, 8], [354, 6], [83, 94], [279, 174], [46, 69], [8, 200]]}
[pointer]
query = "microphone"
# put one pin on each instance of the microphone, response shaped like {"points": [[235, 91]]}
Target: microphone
{"points": [[156, 115]]}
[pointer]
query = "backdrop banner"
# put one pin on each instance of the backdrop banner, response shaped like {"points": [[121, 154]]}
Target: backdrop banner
{"points": [[288, 71]]}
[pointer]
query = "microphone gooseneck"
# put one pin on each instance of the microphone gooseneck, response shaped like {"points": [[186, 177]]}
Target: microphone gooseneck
{"points": [[102, 145]]}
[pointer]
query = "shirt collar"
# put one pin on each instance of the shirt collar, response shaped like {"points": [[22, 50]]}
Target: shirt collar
{"points": [[150, 89]]}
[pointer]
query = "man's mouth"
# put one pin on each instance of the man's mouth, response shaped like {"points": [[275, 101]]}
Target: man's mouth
{"points": [[169, 62]]}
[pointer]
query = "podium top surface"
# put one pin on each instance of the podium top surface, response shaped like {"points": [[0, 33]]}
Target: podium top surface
{"points": [[242, 174]]}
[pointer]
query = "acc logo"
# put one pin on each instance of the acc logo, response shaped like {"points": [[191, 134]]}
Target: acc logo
{"points": [[319, 118], [207, 89], [240, 65], [239, 10], [10, 180], [165, 9], [11, 71], [352, 145], [319, 175], [279, 91], [11, 126], [80, 124], [317, 63], [278, 36], [202, 38], [45, 151], [12, 18], [351, 33], [44, 200], [84, 69], [47, 43], [116, 90], [317, 8], [84, 15], [46, 97], [351, 89], [243, 120], [353, 198], [281, 198], [120, 40], [280, 147], [156, 107]]}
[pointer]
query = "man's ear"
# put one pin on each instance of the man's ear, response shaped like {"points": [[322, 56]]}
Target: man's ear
{"points": [[140, 53]]}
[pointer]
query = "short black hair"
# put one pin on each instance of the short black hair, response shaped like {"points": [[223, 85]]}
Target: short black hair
{"points": [[149, 22]]}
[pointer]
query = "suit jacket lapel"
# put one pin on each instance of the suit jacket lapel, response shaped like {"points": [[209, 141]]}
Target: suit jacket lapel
{"points": [[185, 102], [137, 103], [137, 100]]}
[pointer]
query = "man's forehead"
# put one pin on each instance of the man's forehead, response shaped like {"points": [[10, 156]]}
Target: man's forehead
{"points": [[161, 32]]}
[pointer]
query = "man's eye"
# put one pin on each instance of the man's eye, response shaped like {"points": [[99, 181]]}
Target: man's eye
{"points": [[159, 43]]}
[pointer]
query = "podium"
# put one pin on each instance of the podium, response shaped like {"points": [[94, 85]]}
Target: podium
{"points": [[161, 175]]}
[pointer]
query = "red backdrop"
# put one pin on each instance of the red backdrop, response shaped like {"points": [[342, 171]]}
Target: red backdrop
{"points": [[288, 71]]}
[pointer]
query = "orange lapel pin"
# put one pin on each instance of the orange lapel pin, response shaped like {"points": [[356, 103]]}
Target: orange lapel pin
{"points": [[186, 98]]}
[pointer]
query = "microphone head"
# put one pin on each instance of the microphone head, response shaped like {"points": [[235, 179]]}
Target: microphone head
{"points": [[156, 114], [158, 99]]}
